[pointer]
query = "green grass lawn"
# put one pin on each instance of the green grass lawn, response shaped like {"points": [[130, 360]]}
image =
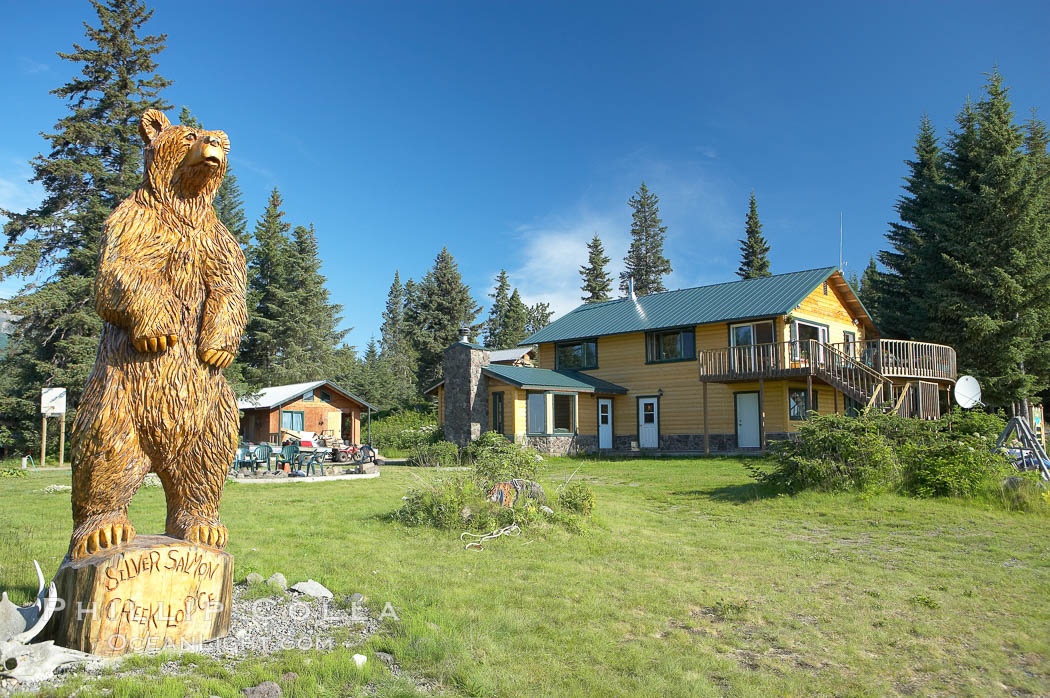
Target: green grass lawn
{"points": [[690, 581]]}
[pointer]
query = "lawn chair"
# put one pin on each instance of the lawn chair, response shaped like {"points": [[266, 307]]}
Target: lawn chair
{"points": [[289, 456], [311, 461], [262, 455], [243, 457]]}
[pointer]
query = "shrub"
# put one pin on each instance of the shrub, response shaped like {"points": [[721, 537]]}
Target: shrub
{"points": [[974, 423], [12, 472], [495, 459], [432, 455], [834, 452], [952, 467], [405, 430], [576, 497]]}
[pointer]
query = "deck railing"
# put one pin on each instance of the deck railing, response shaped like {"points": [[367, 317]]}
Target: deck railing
{"points": [[885, 358], [898, 358]]}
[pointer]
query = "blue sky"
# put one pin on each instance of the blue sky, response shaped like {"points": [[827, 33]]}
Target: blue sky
{"points": [[511, 132]]}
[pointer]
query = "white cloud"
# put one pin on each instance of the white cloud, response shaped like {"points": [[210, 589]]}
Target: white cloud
{"points": [[695, 203], [29, 66]]}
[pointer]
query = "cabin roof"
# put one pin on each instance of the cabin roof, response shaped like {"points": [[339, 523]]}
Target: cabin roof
{"points": [[512, 354], [734, 300], [277, 395], [546, 379]]}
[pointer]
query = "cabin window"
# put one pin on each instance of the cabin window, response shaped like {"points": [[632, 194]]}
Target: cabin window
{"points": [[673, 345], [576, 355], [325, 395], [536, 407], [797, 407], [801, 334], [497, 413], [308, 397], [744, 338], [564, 414], [849, 344], [292, 420]]}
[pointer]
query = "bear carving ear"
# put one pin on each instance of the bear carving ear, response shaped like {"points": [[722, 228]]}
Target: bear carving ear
{"points": [[152, 123]]}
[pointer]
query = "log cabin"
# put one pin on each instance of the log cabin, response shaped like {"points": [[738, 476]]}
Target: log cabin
{"points": [[726, 367], [320, 406]]}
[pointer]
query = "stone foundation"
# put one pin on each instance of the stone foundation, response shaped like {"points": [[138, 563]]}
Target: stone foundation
{"points": [[560, 444], [669, 443]]}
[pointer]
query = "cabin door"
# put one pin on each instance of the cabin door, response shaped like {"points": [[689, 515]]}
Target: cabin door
{"points": [[648, 422], [605, 423], [747, 435]]}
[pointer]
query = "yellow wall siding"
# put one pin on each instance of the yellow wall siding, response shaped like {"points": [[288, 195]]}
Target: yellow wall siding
{"points": [[441, 404], [828, 310], [513, 407]]}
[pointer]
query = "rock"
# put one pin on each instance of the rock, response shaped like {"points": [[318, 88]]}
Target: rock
{"points": [[369, 468], [546, 509], [360, 659], [356, 598], [465, 513], [312, 588], [253, 578], [289, 677], [385, 658], [277, 579], [267, 689]]}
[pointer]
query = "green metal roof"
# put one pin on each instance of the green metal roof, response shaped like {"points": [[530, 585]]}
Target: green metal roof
{"points": [[546, 379], [736, 300]]}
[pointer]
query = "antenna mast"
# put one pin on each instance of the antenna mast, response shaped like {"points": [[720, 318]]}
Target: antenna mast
{"points": [[840, 240]]}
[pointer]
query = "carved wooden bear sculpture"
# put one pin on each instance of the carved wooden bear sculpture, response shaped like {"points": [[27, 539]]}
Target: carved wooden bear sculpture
{"points": [[171, 289]]}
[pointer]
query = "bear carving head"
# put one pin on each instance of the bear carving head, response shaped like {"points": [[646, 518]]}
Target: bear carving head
{"points": [[184, 166]]}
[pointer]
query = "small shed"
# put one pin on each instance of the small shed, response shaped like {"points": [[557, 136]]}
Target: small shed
{"points": [[319, 406]]}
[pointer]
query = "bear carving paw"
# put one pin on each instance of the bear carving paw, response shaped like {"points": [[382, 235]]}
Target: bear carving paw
{"points": [[210, 535], [155, 344], [101, 538], [216, 357]]}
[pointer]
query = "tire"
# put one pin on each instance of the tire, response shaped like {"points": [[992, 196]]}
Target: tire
{"points": [[342, 457]]}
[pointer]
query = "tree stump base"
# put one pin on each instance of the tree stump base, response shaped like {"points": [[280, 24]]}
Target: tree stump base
{"points": [[155, 593]]}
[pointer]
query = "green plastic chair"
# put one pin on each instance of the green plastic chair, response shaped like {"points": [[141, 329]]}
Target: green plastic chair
{"points": [[289, 454], [262, 455], [310, 461], [243, 457]]}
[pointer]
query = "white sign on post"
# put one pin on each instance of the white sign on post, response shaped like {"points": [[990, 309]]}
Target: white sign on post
{"points": [[53, 402]]}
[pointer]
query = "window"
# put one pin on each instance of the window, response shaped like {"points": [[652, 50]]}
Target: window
{"points": [[797, 408], [292, 420], [805, 336], [576, 355], [673, 345], [308, 397], [648, 413], [743, 339], [325, 396], [497, 413], [536, 406], [563, 413], [849, 344]]}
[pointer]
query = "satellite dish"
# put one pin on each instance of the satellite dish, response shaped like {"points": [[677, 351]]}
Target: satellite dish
{"points": [[968, 392]]}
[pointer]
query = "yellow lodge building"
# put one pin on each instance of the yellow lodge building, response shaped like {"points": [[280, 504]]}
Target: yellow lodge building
{"points": [[726, 367]]}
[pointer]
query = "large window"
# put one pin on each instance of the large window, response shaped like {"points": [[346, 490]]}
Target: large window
{"points": [[744, 355], [537, 413], [576, 355], [672, 345], [564, 413], [797, 407]]}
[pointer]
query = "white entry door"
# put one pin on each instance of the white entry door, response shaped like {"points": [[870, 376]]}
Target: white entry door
{"points": [[605, 423], [648, 423], [747, 435]]}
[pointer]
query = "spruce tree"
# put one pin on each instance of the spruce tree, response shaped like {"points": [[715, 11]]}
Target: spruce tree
{"points": [[900, 312], [869, 291], [494, 325], [515, 322], [313, 335], [645, 261], [993, 302], [754, 251], [441, 304], [539, 316], [374, 382], [596, 281], [396, 348], [271, 302], [94, 163]]}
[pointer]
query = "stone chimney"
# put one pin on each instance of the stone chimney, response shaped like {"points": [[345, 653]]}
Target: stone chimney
{"points": [[466, 390]]}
